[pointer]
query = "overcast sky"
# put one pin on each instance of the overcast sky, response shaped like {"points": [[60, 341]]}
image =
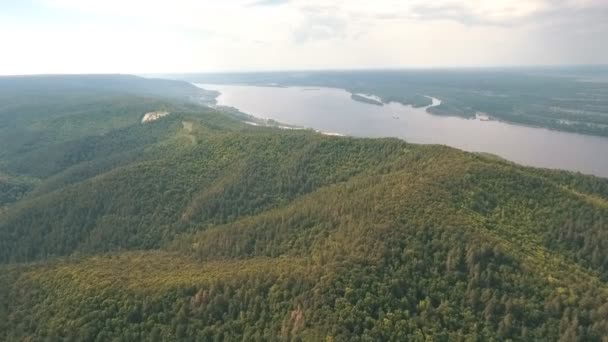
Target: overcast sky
{"points": [[147, 36]]}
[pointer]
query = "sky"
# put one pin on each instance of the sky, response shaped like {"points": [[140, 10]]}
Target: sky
{"points": [[154, 36]]}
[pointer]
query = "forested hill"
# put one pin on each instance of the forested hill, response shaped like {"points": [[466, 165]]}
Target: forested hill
{"points": [[34, 87], [198, 227]]}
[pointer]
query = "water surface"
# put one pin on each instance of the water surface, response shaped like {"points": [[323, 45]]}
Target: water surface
{"points": [[332, 110]]}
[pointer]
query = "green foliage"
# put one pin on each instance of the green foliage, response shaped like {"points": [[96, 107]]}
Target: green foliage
{"points": [[197, 227], [14, 188]]}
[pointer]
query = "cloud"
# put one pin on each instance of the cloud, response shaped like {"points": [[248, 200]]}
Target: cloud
{"points": [[269, 3], [271, 19], [503, 13], [319, 25], [277, 34], [457, 13]]}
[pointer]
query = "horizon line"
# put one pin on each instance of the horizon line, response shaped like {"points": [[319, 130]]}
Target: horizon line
{"points": [[363, 69]]}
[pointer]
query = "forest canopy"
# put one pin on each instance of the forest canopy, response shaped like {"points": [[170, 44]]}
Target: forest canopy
{"points": [[199, 227]]}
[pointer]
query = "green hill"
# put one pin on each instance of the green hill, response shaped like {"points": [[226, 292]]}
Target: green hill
{"points": [[199, 227]]}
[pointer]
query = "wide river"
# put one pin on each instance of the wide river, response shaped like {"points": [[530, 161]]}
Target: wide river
{"points": [[332, 110]]}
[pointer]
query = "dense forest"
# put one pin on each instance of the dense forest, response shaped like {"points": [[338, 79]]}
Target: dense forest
{"points": [[561, 98], [199, 227]]}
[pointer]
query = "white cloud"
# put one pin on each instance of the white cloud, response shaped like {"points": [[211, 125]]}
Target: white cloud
{"points": [[194, 35]]}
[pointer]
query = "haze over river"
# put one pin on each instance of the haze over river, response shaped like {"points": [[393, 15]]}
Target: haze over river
{"points": [[332, 110]]}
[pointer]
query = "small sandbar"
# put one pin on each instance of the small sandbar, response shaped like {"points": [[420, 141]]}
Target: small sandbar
{"points": [[369, 97]]}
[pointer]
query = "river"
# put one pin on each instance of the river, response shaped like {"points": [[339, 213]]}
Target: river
{"points": [[334, 111]]}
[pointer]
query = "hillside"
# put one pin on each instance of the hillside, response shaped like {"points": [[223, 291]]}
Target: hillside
{"points": [[199, 227]]}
